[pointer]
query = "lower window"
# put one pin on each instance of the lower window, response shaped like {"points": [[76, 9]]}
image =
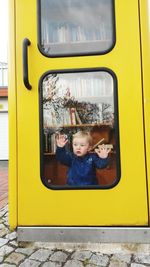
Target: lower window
{"points": [[79, 129]]}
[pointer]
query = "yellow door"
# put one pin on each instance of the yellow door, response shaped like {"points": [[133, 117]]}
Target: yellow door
{"points": [[123, 203]]}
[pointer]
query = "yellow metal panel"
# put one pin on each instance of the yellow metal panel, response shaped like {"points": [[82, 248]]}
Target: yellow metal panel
{"points": [[145, 34], [125, 204], [12, 120]]}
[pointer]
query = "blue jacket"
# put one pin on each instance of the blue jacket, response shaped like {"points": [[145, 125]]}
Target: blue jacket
{"points": [[82, 170]]}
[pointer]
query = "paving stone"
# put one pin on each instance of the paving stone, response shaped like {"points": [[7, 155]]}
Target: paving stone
{"points": [[15, 258], [73, 263], [59, 256], [81, 255], [41, 254], [3, 232], [142, 259], [1, 259], [5, 214], [30, 263], [2, 212], [122, 257], [93, 265], [6, 224], [5, 250], [115, 263], [11, 236], [3, 241], [99, 259], [138, 265], [14, 243], [2, 226], [26, 251], [8, 265], [51, 264]]}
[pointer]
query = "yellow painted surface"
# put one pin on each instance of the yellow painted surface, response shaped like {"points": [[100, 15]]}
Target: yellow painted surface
{"points": [[126, 203], [145, 27], [12, 120]]}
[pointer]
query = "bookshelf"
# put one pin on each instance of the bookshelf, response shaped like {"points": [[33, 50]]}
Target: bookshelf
{"points": [[76, 26]]}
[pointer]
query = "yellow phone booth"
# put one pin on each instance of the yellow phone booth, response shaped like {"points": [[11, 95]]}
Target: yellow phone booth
{"points": [[79, 107]]}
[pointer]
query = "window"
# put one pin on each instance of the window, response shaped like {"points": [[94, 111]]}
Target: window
{"points": [[79, 108], [3, 74], [74, 27]]}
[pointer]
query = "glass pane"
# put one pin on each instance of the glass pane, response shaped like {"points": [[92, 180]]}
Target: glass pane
{"points": [[3, 74], [76, 27], [79, 135]]}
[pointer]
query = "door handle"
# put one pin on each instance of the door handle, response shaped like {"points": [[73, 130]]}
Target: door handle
{"points": [[26, 43]]}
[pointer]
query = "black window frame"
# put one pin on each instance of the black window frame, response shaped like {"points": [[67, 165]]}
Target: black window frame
{"points": [[116, 127], [74, 54]]}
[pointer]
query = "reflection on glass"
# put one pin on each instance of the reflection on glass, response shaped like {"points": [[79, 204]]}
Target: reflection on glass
{"points": [[67, 25], [78, 119]]}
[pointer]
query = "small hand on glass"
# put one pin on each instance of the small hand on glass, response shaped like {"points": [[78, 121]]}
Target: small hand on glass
{"points": [[102, 151], [61, 140]]}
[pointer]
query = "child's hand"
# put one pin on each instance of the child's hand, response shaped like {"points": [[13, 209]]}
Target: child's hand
{"points": [[61, 140], [102, 151]]}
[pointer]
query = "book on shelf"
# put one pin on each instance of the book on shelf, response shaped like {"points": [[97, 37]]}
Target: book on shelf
{"points": [[69, 116], [77, 117], [66, 120], [66, 32], [49, 143], [72, 116], [46, 142]]}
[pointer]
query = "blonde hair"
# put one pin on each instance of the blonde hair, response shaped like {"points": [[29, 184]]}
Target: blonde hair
{"points": [[83, 134]]}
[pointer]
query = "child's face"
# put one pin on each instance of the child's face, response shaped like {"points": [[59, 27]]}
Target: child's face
{"points": [[81, 146]]}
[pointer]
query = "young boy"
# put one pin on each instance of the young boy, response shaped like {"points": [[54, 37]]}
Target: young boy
{"points": [[82, 164]]}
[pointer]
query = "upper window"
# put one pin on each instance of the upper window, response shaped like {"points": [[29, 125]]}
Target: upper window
{"points": [[75, 27]]}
